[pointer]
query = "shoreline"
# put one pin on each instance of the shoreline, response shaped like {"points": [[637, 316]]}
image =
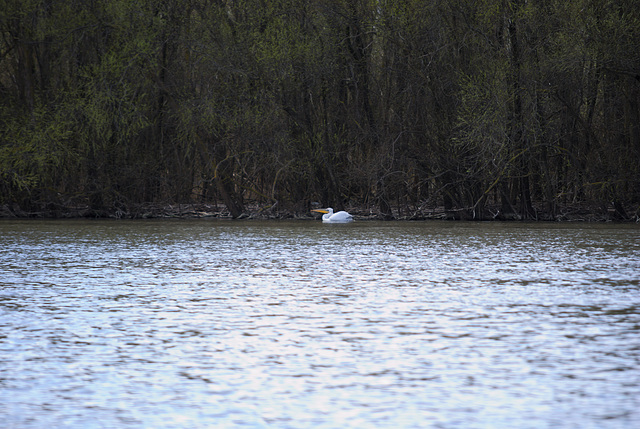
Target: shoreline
{"points": [[570, 213]]}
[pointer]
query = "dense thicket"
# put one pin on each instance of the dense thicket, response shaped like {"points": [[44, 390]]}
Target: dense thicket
{"points": [[508, 108]]}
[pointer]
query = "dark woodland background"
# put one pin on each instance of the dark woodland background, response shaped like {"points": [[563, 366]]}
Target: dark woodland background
{"points": [[506, 109]]}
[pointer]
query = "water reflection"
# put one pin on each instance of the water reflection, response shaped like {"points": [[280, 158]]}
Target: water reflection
{"points": [[298, 324]]}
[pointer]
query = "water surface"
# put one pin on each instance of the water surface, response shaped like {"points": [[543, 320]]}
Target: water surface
{"points": [[306, 325]]}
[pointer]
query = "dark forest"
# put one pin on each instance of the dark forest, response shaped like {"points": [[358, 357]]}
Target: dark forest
{"points": [[485, 109]]}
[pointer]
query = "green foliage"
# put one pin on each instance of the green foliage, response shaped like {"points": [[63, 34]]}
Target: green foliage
{"points": [[35, 152]]}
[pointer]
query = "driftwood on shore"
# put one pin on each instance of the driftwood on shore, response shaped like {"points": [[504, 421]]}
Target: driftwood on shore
{"points": [[574, 212]]}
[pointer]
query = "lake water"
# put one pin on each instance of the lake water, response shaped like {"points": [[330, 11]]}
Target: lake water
{"points": [[247, 324]]}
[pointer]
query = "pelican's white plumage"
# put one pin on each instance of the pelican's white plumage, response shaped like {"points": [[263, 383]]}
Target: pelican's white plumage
{"points": [[330, 217]]}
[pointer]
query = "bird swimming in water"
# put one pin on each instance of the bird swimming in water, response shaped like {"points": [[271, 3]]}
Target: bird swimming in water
{"points": [[330, 217]]}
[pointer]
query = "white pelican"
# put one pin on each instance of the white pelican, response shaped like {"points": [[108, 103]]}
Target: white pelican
{"points": [[330, 217]]}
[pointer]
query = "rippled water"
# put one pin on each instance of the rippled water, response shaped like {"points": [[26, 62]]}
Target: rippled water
{"points": [[303, 325]]}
